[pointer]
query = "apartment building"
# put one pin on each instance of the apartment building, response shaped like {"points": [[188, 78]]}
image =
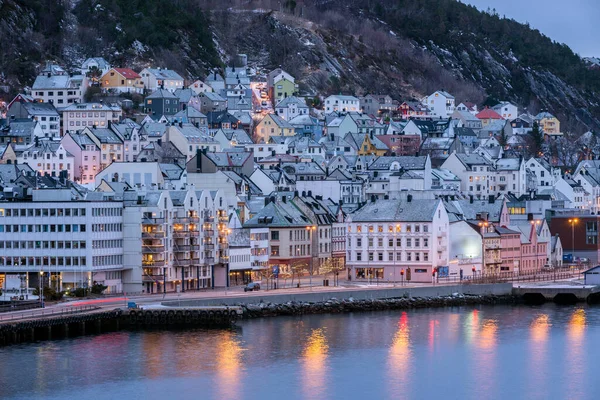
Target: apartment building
{"points": [[77, 117], [391, 240]]}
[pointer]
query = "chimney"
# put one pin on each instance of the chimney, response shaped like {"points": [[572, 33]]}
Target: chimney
{"points": [[284, 199], [372, 198], [386, 197], [471, 198], [409, 198], [491, 199], [529, 216], [310, 193], [273, 198], [266, 201], [181, 124], [295, 193], [304, 193]]}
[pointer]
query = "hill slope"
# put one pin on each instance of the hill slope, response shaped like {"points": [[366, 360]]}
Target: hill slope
{"points": [[401, 47]]}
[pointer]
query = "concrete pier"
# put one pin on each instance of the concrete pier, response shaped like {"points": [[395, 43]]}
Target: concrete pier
{"points": [[564, 292]]}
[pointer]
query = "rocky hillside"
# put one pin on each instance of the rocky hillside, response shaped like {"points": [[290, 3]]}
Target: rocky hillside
{"points": [[401, 47]]}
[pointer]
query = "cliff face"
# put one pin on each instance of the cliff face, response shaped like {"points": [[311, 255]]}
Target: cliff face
{"points": [[404, 48]]}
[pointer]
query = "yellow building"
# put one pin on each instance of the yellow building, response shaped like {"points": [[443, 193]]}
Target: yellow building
{"points": [[366, 144], [548, 123], [273, 125], [123, 80]]}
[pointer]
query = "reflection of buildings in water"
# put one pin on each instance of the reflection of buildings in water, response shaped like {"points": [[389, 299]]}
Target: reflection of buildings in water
{"points": [[452, 329], [575, 354], [433, 333], [229, 366], [539, 330], [156, 352], [488, 334], [471, 326], [400, 359], [314, 364]]}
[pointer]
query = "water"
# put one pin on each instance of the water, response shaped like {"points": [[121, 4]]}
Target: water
{"points": [[545, 352]]}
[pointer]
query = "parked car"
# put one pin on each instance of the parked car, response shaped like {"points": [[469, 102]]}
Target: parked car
{"points": [[252, 286]]}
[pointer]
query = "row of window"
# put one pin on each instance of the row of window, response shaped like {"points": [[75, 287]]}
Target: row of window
{"points": [[42, 261], [107, 244], [417, 228], [410, 256], [43, 228], [43, 244], [116, 259], [107, 212], [107, 227], [390, 242], [42, 212]]}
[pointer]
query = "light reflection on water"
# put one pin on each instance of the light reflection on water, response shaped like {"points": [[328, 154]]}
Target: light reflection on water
{"points": [[544, 352]]}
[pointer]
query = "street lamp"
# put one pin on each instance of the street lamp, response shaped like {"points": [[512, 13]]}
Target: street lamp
{"points": [[310, 229], [41, 289], [483, 229], [573, 221]]}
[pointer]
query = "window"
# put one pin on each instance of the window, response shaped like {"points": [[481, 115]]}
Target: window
{"points": [[274, 250], [408, 242], [358, 256], [358, 242]]}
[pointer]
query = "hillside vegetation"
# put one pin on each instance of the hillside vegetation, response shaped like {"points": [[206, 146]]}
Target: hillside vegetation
{"points": [[401, 47]]}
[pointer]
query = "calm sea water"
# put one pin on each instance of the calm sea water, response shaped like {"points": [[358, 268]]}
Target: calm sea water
{"points": [[545, 352]]}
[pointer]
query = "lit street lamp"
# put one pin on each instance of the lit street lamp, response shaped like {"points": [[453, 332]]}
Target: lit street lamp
{"points": [[573, 221], [311, 234], [41, 289]]}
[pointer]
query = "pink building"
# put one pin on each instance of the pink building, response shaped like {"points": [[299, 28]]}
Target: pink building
{"points": [[533, 252], [510, 249], [87, 156]]}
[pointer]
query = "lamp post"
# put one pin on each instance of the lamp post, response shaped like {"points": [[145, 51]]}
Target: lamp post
{"points": [[41, 289], [483, 228], [311, 234], [573, 221]]}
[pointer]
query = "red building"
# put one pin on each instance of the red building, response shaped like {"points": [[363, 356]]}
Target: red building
{"points": [[578, 233]]}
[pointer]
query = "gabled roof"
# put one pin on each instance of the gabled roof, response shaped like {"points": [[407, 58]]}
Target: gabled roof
{"points": [[160, 73], [279, 214], [469, 160], [127, 73], [405, 162], [292, 100], [488, 113], [229, 158], [161, 93], [396, 211]]}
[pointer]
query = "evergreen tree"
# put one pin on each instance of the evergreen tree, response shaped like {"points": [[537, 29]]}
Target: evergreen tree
{"points": [[537, 139]]}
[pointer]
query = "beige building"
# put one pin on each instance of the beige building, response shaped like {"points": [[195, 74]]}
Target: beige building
{"points": [[77, 117]]}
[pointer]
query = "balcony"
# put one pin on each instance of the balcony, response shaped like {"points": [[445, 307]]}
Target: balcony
{"points": [[153, 221], [194, 233], [493, 246], [209, 232], [223, 260], [209, 246], [442, 248], [182, 263], [151, 249], [181, 248], [181, 233], [194, 247], [209, 260], [195, 219], [153, 235], [493, 259], [209, 220], [153, 263]]}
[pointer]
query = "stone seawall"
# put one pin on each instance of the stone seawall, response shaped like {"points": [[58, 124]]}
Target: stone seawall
{"points": [[334, 305], [497, 289]]}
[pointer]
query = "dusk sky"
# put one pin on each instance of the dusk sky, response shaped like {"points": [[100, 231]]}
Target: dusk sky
{"points": [[574, 22]]}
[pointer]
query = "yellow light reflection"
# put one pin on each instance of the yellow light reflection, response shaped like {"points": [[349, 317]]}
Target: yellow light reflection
{"points": [[229, 366], [471, 326], [575, 353], [314, 363], [400, 358], [538, 366], [540, 328], [488, 334]]}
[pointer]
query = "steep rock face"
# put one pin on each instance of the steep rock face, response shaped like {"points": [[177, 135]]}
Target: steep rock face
{"points": [[405, 48]]}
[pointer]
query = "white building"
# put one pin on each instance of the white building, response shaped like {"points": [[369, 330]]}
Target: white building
{"points": [[342, 104], [507, 110], [440, 103], [200, 87], [546, 175], [389, 237], [69, 243], [97, 63], [156, 78], [48, 157], [291, 107], [474, 172], [54, 85], [77, 117]]}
